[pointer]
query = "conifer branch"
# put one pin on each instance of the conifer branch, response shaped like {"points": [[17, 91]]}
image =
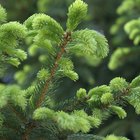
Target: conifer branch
{"points": [[66, 39], [83, 112], [117, 99]]}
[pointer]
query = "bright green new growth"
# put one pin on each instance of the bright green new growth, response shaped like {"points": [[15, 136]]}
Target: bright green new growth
{"points": [[107, 98], [88, 42], [135, 82], [113, 137], [76, 121], [44, 25], [132, 28], [96, 93], [43, 74], [3, 15], [81, 94], [118, 84], [10, 34], [12, 95], [108, 95], [119, 111], [33, 110], [134, 100], [66, 69], [103, 101], [76, 13]]}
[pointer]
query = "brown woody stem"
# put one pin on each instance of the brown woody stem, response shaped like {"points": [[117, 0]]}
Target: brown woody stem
{"points": [[66, 39]]}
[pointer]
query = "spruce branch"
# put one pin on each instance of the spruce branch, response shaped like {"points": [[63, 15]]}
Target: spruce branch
{"points": [[62, 46], [65, 40], [86, 110]]}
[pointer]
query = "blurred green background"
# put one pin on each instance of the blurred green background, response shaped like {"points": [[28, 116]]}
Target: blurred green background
{"points": [[105, 16]]}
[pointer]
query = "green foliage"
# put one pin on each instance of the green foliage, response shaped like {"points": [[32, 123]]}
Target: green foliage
{"points": [[76, 121], [81, 94], [99, 90], [132, 28], [45, 25], [76, 13], [43, 74], [123, 55], [13, 30], [117, 56], [135, 82], [66, 69], [43, 114], [41, 26], [107, 98], [119, 111], [113, 137], [67, 121], [127, 10], [127, 5], [3, 15], [127, 22], [88, 42], [43, 21], [72, 75], [83, 137], [1, 120], [3, 97], [34, 110], [134, 100], [118, 84], [13, 94], [10, 34]]}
